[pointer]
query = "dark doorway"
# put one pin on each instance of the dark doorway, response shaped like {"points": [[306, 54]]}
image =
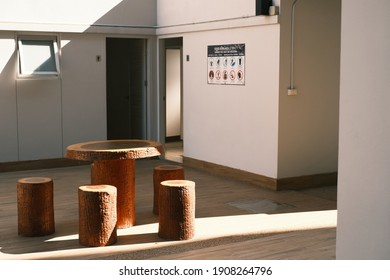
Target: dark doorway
{"points": [[126, 88]]}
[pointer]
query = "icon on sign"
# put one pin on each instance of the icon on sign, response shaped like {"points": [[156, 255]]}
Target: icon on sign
{"points": [[240, 61], [232, 62], [211, 75], [232, 75], [211, 62], [218, 75], [225, 75], [225, 62], [240, 75]]}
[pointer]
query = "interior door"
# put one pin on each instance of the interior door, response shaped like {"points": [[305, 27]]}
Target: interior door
{"points": [[126, 88]]}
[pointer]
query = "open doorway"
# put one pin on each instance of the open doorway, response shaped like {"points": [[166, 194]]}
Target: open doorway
{"points": [[173, 97], [173, 93], [126, 88]]}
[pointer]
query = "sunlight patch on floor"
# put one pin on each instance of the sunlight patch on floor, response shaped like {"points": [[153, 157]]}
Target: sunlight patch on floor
{"points": [[214, 227], [260, 205]]}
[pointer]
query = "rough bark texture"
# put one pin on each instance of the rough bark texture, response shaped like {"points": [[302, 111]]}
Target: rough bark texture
{"points": [[113, 164], [118, 173], [177, 210], [164, 173], [97, 215], [35, 206], [114, 149]]}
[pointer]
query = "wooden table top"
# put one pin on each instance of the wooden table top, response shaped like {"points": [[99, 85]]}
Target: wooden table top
{"points": [[114, 150]]}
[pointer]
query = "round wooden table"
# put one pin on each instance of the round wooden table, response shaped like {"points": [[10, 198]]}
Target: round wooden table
{"points": [[113, 163]]}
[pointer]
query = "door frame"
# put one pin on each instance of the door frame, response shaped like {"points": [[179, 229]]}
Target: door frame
{"points": [[164, 44]]}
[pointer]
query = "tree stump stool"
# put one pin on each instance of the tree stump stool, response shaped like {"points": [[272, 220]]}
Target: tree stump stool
{"points": [[177, 210], [35, 206], [97, 215], [164, 173]]}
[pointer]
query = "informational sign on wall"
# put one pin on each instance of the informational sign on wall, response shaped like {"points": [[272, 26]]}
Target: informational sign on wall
{"points": [[226, 64]]}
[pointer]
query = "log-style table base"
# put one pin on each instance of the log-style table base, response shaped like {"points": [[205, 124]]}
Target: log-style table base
{"points": [[114, 164], [120, 174]]}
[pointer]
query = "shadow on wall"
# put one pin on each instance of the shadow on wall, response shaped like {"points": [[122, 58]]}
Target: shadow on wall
{"points": [[8, 114], [40, 117]]}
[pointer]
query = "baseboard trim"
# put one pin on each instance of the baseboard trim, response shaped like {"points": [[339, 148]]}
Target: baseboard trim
{"points": [[308, 181], [292, 183], [39, 164], [241, 175]]}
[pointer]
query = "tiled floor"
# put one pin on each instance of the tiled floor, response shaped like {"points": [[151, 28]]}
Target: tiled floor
{"points": [[234, 220]]}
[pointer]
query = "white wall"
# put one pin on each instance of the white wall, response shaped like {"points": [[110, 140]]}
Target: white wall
{"points": [[363, 227], [8, 113], [288, 136], [174, 12], [30, 111], [232, 125], [308, 124], [75, 15], [40, 117], [83, 88], [236, 126]]}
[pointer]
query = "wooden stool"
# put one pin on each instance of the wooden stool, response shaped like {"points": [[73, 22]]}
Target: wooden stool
{"points": [[35, 206], [177, 210], [164, 173], [97, 215]]}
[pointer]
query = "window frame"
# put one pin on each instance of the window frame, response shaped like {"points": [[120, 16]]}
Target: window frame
{"points": [[22, 72]]}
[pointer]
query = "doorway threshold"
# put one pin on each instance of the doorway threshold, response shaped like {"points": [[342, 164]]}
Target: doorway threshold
{"points": [[174, 151]]}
